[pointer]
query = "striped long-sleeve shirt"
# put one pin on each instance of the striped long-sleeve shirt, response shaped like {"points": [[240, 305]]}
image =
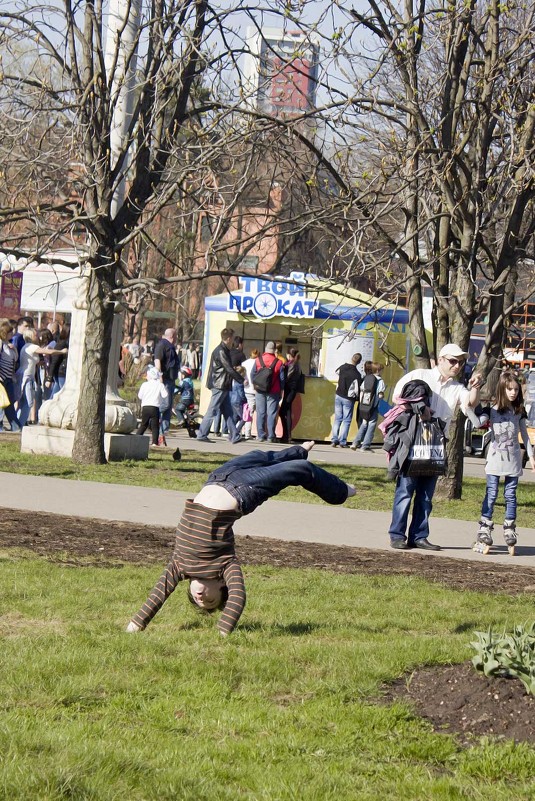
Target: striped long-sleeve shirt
{"points": [[204, 549], [8, 360]]}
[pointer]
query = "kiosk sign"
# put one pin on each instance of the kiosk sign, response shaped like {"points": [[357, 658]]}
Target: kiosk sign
{"points": [[274, 298]]}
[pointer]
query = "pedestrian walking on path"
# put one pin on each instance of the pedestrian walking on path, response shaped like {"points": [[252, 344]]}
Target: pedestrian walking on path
{"points": [[221, 373]]}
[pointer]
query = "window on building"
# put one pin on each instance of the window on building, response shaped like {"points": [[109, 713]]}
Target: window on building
{"points": [[208, 226]]}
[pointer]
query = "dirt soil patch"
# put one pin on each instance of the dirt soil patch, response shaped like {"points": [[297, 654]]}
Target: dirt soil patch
{"points": [[454, 698], [458, 700]]}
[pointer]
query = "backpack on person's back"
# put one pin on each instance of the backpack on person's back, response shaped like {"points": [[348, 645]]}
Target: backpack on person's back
{"points": [[368, 395], [264, 376]]}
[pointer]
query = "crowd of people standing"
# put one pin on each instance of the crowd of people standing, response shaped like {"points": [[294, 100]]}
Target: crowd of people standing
{"points": [[422, 400], [265, 383], [33, 365]]}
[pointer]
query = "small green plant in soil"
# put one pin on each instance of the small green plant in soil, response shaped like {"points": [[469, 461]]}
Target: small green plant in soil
{"points": [[509, 655]]}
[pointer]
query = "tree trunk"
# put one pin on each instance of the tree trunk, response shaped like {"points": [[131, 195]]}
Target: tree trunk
{"points": [[416, 322], [450, 486], [88, 445]]}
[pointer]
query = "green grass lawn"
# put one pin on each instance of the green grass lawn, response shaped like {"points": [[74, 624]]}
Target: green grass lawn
{"points": [[284, 709], [159, 470]]}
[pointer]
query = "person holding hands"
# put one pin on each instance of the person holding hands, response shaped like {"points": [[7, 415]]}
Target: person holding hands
{"points": [[448, 394], [504, 459]]}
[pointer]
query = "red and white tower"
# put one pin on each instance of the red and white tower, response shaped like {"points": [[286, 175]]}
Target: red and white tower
{"points": [[281, 71]]}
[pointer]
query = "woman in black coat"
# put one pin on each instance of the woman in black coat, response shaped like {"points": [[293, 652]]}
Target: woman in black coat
{"points": [[292, 385], [58, 364]]}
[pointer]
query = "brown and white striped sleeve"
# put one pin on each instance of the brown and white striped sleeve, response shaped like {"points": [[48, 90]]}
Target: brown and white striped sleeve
{"points": [[235, 605]]}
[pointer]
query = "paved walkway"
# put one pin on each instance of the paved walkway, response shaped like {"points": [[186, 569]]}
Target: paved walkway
{"points": [[335, 525]]}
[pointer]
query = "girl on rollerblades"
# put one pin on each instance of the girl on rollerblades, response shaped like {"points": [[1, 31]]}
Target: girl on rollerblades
{"points": [[504, 458]]}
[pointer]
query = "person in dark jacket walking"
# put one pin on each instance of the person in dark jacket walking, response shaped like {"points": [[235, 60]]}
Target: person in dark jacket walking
{"points": [[58, 364], [343, 404], [221, 373], [292, 384]]}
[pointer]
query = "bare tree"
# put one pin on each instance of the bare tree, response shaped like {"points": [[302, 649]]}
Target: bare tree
{"points": [[441, 105], [190, 143]]}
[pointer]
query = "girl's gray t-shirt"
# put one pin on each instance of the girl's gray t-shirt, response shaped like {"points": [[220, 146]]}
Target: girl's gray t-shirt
{"points": [[504, 457]]}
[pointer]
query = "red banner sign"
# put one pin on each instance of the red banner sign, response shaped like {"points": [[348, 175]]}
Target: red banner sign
{"points": [[10, 293]]}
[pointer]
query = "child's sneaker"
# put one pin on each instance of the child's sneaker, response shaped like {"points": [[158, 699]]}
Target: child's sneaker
{"points": [[484, 534], [509, 533], [132, 627]]}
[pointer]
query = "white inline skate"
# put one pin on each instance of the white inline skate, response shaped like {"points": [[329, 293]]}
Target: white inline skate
{"points": [[509, 535], [483, 542]]}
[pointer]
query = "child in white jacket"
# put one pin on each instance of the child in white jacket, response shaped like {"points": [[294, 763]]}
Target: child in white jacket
{"points": [[153, 394]]}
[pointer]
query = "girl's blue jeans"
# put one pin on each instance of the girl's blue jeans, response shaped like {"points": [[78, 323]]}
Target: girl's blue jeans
{"points": [[509, 494]]}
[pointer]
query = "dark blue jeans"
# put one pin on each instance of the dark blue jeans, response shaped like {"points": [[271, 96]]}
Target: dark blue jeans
{"points": [[165, 414], [422, 488], [9, 411], [259, 475], [220, 401]]}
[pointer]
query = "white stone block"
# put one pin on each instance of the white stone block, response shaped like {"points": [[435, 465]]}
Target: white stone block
{"points": [[59, 442]]}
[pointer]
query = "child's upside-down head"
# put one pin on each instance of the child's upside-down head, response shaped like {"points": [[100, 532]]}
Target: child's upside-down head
{"points": [[208, 594]]}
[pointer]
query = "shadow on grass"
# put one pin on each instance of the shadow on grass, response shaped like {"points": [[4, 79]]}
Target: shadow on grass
{"points": [[282, 629], [296, 629], [524, 498], [205, 467], [192, 625], [469, 625], [251, 625], [59, 473]]}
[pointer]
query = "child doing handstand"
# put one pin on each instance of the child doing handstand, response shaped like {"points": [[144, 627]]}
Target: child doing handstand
{"points": [[204, 546]]}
